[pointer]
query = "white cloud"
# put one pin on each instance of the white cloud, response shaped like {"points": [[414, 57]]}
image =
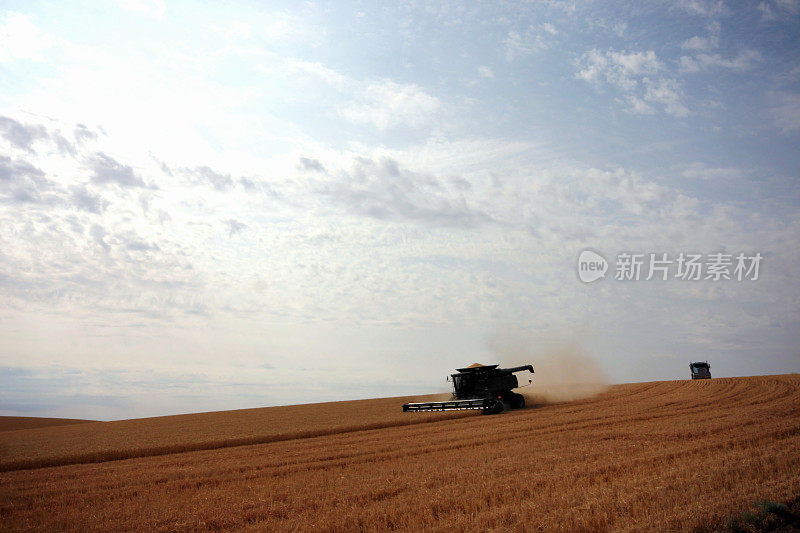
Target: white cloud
{"points": [[666, 92], [549, 28], [689, 64], [633, 73], [243, 36], [151, 8], [617, 68], [21, 39], [383, 103], [485, 72], [387, 104], [323, 73], [639, 106], [698, 43], [701, 62], [529, 41], [704, 44], [237, 30], [636, 63], [568, 6], [706, 8], [593, 64]]}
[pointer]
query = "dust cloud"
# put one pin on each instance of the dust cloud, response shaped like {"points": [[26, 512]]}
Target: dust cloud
{"points": [[563, 372]]}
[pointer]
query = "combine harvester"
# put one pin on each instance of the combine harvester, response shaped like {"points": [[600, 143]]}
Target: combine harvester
{"points": [[483, 387]]}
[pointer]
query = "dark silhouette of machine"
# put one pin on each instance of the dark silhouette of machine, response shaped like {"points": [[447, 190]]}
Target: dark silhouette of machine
{"points": [[483, 387], [700, 370]]}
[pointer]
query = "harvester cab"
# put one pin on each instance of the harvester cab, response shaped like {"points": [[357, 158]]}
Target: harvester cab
{"points": [[700, 370], [481, 387]]}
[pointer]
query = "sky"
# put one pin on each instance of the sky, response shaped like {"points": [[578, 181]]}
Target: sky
{"points": [[209, 206]]}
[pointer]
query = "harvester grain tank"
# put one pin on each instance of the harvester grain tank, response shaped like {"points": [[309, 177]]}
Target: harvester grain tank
{"points": [[700, 370], [480, 387]]}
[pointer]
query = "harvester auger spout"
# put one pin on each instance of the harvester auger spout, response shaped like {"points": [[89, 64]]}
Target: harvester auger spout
{"points": [[480, 387], [514, 369]]}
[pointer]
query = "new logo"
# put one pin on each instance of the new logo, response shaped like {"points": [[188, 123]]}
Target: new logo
{"points": [[591, 266]]}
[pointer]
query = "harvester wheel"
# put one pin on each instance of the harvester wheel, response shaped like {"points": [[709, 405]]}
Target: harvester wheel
{"points": [[519, 401], [496, 407]]}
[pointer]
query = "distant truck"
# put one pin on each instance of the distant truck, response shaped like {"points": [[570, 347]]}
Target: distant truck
{"points": [[700, 370]]}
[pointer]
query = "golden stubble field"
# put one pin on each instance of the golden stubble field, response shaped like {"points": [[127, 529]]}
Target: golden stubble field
{"points": [[676, 455]]}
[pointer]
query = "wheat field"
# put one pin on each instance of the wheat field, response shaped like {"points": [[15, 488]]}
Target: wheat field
{"points": [[678, 455]]}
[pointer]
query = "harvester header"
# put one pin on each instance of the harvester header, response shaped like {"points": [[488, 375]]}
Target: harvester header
{"points": [[480, 387]]}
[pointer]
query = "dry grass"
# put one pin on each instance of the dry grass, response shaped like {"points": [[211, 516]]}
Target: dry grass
{"points": [[13, 423], [666, 455]]}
